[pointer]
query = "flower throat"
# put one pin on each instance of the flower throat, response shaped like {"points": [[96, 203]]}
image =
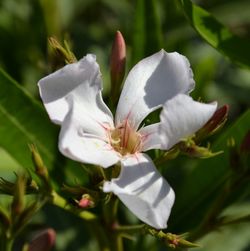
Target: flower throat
{"points": [[125, 140]]}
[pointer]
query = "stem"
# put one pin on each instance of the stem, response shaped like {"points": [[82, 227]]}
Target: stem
{"points": [[110, 218], [106, 235], [116, 242], [6, 243], [100, 234], [62, 203], [93, 222], [52, 17], [212, 220], [242, 219], [168, 155], [130, 229], [9, 245]]}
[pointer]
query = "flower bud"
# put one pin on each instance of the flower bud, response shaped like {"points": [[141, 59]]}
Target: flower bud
{"points": [[40, 168], [171, 240], [25, 216], [214, 124], [64, 52], [117, 64], [43, 241], [86, 202], [191, 149], [18, 202], [176, 241]]}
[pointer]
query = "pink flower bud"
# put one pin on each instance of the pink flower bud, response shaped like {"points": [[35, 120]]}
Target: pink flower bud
{"points": [[218, 118], [43, 241], [86, 201], [117, 63], [215, 123]]}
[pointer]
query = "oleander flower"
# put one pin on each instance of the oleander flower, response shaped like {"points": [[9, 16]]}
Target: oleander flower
{"points": [[89, 134]]}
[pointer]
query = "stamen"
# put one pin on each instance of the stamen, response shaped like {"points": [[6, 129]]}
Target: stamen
{"points": [[124, 139]]}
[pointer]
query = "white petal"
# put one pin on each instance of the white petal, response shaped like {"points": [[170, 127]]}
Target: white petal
{"points": [[151, 83], [55, 88], [88, 113], [143, 190], [181, 117], [150, 137], [84, 147]]}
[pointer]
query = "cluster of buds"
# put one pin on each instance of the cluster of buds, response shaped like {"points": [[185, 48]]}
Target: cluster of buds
{"points": [[172, 240], [21, 212], [41, 171], [190, 148], [63, 52]]}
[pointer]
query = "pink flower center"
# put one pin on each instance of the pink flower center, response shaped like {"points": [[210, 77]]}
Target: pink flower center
{"points": [[125, 140]]}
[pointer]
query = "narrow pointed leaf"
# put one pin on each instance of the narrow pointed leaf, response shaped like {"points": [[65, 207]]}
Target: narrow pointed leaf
{"points": [[216, 34], [207, 179], [147, 37], [22, 122]]}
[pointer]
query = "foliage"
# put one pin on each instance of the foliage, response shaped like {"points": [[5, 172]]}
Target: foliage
{"points": [[211, 193]]}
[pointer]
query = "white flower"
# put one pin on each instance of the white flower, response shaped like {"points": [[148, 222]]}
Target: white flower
{"points": [[72, 98]]}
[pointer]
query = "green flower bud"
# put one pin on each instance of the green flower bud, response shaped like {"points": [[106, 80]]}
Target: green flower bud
{"points": [[64, 52], [18, 202], [40, 169], [188, 147]]}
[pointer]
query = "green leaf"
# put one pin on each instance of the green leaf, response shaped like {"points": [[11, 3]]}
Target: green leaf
{"points": [[24, 121], [231, 237], [147, 37], [216, 34], [206, 179]]}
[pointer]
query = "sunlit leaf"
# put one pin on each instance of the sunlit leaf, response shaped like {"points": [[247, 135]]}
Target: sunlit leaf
{"points": [[22, 122], [232, 237], [216, 34]]}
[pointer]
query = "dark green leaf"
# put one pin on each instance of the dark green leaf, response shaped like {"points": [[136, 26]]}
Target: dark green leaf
{"points": [[216, 34], [147, 32], [24, 121], [206, 178]]}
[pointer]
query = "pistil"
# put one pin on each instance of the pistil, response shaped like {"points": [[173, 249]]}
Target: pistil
{"points": [[124, 139]]}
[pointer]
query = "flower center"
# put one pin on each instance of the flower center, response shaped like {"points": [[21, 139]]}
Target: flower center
{"points": [[125, 140]]}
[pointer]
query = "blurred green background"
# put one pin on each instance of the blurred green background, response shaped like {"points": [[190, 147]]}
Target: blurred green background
{"points": [[147, 26]]}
